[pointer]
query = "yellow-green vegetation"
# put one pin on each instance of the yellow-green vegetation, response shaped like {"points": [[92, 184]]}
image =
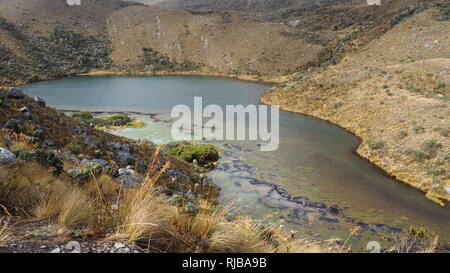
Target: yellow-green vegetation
{"points": [[108, 123], [204, 154]]}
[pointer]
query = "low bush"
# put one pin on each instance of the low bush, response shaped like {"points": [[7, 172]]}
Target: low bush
{"points": [[44, 158], [203, 153], [376, 144]]}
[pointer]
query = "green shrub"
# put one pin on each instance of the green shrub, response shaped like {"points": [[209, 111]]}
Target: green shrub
{"points": [[417, 155], [39, 134], [74, 148], [85, 174], [203, 153], [116, 120], [376, 144], [44, 158], [442, 131], [431, 148], [84, 117], [428, 150], [419, 129]]}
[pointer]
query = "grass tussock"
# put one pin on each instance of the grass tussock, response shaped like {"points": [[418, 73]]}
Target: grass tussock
{"points": [[75, 209], [5, 233], [415, 240], [144, 216], [241, 236], [32, 191]]}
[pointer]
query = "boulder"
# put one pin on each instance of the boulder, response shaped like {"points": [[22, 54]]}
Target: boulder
{"points": [[447, 190], [126, 148], [14, 93], [12, 124], [126, 158], [95, 161], [130, 178], [6, 157], [49, 143], [26, 113], [39, 101]]}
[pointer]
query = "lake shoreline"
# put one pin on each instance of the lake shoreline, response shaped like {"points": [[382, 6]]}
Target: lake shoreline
{"points": [[277, 80], [242, 77]]}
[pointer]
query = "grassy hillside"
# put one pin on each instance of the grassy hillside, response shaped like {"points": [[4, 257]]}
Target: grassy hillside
{"points": [[42, 16], [225, 43], [394, 94]]}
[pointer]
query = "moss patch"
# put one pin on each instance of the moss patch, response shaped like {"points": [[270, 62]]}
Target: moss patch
{"points": [[109, 123], [204, 153]]}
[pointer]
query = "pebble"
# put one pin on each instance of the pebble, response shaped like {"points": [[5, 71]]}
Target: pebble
{"points": [[56, 250], [119, 245]]}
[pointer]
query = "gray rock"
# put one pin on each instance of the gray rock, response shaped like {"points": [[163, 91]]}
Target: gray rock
{"points": [[126, 148], [14, 93], [26, 113], [76, 130], [178, 175], [99, 162], [56, 250], [130, 178], [121, 147], [49, 143], [125, 158], [142, 166], [87, 139], [447, 190], [119, 245], [6, 157], [12, 124], [39, 101], [114, 145], [435, 186], [73, 247]]}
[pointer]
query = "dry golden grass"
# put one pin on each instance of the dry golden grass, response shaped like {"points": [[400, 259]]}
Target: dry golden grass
{"points": [[24, 186], [16, 140], [32, 191], [136, 215], [144, 216], [5, 233], [207, 220], [104, 188], [146, 219], [76, 209], [240, 236]]}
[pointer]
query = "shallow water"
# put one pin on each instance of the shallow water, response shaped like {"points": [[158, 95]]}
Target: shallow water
{"points": [[316, 160]]}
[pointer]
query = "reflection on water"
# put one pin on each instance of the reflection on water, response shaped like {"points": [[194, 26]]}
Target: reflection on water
{"points": [[315, 160]]}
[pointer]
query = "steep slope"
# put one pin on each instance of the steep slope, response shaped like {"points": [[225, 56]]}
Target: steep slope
{"points": [[42, 16], [319, 11], [30, 57], [226, 43], [394, 94]]}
